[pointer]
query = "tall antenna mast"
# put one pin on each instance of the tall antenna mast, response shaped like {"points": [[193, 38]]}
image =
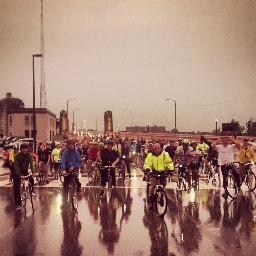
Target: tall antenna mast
{"points": [[42, 86]]}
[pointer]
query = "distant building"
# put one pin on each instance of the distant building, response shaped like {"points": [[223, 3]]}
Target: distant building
{"points": [[8, 104], [153, 129], [108, 122], [16, 120]]}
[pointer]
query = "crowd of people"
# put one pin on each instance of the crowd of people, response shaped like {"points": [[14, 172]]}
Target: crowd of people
{"points": [[153, 156]]}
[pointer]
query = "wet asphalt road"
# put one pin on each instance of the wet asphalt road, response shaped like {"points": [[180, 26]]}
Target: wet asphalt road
{"points": [[204, 224]]}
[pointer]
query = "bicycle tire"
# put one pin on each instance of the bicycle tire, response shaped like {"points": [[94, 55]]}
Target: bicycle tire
{"points": [[147, 190], [160, 202], [23, 199], [73, 196], [61, 177], [252, 175], [231, 185], [123, 167], [110, 187], [31, 197]]}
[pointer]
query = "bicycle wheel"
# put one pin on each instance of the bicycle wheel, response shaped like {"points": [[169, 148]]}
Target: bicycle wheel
{"points": [[23, 197], [61, 177], [73, 197], [231, 185], [161, 202], [31, 196], [123, 167], [147, 190], [110, 187], [251, 181]]}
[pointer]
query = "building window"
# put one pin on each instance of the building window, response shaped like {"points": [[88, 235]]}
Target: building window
{"points": [[10, 120], [27, 133], [26, 120]]}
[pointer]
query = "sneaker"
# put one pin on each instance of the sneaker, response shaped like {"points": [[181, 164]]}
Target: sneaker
{"points": [[101, 193], [19, 208]]}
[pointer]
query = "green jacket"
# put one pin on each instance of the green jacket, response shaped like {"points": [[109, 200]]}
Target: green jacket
{"points": [[161, 162], [22, 162]]}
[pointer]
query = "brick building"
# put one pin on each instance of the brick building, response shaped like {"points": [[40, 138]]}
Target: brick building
{"points": [[16, 120]]}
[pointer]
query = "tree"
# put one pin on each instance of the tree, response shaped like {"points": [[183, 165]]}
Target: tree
{"points": [[236, 127], [251, 128]]}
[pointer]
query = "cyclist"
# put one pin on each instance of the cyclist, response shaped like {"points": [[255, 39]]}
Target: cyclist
{"points": [[93, 151], [70, 162], [170, 149], [125, 151], [246, 155], [226, 150], [22, 161], [157, 161], [194, 165], [44, 158], [79, 149], [56, 157], [108, 157], [183, 157], [203, 148]]}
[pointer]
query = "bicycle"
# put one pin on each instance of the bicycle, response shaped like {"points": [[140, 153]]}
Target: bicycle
{"points": [[56, 170], [213, 171], [123, 168], [159, 198], [41, 173], [249, 179], [110, 170], [181, 182], [26, 192], [72, 191]]}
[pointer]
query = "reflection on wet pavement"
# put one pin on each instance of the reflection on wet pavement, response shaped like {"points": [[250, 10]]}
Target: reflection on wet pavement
{"points": [[204, 224]]}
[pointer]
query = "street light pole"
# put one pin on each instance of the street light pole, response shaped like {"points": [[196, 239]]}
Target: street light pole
{"points": [[34, 132], [216, 130], [67, 109], [175, 113]]}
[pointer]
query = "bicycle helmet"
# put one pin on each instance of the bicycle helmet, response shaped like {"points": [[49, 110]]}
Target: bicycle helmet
{"points": [[101, 145], [185, 142]]}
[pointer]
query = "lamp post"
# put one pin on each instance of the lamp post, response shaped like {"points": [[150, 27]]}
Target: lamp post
{"points": [[175, 113], [34, 132], [67, 109], [216, 126], [73, 121]]}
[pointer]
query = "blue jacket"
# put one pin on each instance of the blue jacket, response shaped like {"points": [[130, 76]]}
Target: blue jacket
{"points": [[70, 158]]}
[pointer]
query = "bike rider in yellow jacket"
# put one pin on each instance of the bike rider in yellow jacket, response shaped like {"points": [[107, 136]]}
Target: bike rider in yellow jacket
{"points": [[157, 161]]}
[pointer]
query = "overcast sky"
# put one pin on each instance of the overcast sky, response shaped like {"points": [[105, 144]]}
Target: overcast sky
{"points": [[118, 54]]}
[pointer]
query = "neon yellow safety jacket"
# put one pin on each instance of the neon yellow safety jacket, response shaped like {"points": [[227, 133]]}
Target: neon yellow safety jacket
{"points": [[158, 163]]}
